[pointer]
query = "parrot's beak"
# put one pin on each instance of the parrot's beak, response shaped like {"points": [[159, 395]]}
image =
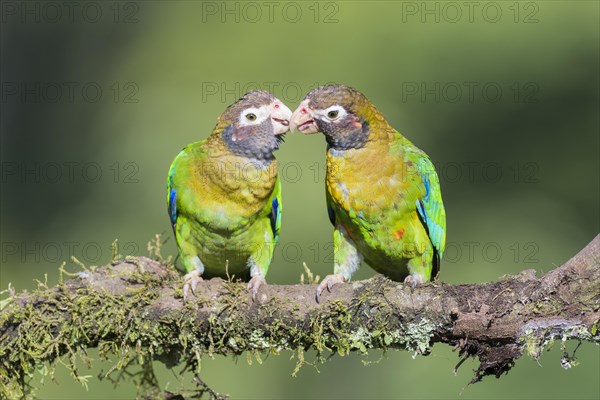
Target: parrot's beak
{"points": [[302, 120], [280, 116]]}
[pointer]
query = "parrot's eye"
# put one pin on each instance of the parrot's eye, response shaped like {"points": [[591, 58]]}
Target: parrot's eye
{"points": [[251, 117], [333, 114]]}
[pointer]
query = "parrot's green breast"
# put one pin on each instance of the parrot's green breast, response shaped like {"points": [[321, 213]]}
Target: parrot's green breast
{"points": [[224, 208], [373, 192]]}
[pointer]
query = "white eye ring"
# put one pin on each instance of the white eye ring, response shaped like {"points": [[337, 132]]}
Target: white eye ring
{"points": [[334, 112], [253, 116]]}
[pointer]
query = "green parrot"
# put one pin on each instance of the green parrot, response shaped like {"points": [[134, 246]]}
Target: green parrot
{"points": [[383, 194], [224, 195]]}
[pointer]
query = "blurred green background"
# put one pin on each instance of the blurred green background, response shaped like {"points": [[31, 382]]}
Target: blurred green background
{"points": [[98, 98]]}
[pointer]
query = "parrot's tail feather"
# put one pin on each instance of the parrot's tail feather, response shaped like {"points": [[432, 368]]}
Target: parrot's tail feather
{"points": [[435, 264]]}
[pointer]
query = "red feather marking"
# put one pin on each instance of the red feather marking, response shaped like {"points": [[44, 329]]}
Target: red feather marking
{"points": [[399, 234]]}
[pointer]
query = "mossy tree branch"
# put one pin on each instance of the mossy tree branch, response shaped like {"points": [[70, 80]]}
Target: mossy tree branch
{"points": [[133, 309]]}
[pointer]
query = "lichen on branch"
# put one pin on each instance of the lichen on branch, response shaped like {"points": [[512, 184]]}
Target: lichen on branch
{"points": [[132, 311]]}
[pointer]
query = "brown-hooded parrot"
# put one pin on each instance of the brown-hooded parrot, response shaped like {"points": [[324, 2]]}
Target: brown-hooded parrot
{"points": [[224, 194], [383, 194]]}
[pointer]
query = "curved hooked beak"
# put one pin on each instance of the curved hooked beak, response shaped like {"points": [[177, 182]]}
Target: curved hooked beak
{"points": [[280, 117], [303, 120]]}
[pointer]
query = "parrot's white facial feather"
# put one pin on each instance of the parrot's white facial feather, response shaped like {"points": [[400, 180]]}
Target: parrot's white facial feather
{"points": [[254, 116], [277, 111], [332, 113]]}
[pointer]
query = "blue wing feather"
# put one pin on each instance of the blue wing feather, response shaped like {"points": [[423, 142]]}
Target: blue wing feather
{"points": [[431, 209], [275, 216], [172, 197], [331, 214], [173, 206]]}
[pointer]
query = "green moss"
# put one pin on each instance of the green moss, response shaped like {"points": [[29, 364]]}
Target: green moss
{"points": [[60, 327], [53, 327]]}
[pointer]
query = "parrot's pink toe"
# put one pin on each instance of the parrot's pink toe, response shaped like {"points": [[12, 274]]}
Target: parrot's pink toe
{"points": [[329, 282], [191, 283], [414, 281], [255, 283]]}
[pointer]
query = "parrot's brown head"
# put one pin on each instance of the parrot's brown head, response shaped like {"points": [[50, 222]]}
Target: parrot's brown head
{"points": [[343, 114], [254, 125]]}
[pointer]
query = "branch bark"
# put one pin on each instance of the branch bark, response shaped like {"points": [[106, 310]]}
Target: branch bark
{"points": [[133, 309]]}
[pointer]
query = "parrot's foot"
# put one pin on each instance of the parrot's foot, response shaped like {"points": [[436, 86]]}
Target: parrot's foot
{"points": [[191, 282], [255, 283], [414, 281], [328, 282]]}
